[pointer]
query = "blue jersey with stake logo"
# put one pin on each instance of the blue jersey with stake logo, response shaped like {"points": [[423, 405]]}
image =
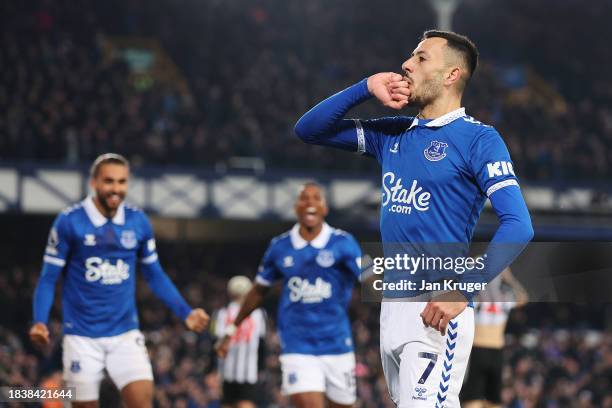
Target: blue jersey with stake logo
{"points": [[436, 176], [98, 257], [318, 279]]}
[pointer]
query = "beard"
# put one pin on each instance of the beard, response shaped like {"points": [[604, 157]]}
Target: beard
{"points": [[428, 92], [104, 200]]}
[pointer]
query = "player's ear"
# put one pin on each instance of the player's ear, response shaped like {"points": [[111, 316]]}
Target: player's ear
{"points": [[453, 76]]}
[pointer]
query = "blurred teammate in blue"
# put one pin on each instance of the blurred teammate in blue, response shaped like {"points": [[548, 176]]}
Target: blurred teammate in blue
{"points": [[438, 169], [95, 245], [318, 266]]}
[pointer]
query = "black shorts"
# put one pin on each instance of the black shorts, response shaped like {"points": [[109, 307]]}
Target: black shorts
{"points": [[234, 392], [484, 376]]}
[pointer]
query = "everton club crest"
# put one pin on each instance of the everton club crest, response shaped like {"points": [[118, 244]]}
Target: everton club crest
{"points": [[325, 258], [128, 239], [436, 151]]}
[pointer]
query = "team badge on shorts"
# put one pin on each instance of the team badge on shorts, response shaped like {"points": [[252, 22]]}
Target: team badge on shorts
{"points": [[436, 151], [325, 259], [292, 378], [128, 239], [75, 366]]}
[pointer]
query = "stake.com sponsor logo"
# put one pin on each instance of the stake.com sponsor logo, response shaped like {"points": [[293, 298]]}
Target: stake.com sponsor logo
{"points": [[401, 199]]}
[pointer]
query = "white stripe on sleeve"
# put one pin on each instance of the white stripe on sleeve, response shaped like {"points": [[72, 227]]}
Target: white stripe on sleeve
{"points": [[361, 147], [149, 259], [262, 281], [54, 261], [500, 185]]}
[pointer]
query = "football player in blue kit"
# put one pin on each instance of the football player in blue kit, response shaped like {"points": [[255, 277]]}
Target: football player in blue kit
{"points": [[438, 169], [95, 245], [318, 266]]}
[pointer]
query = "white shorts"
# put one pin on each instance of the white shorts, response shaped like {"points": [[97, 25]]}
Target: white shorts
{"points": [[422, 367], [124, 356], [333, 375]]}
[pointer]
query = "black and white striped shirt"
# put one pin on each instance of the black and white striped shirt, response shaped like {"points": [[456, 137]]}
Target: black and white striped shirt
{"points": [[240, 364]]}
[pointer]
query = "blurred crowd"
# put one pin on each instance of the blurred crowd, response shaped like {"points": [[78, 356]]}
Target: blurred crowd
{"points": [[557, 355], [253, 67], [558, 368]]}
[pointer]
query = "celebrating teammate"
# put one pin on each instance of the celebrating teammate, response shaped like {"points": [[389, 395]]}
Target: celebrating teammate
{"points": [[438, 169], [95, 245], [318, 266]]}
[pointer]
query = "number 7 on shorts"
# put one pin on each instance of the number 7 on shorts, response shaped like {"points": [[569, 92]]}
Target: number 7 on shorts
{"points": [[433, 358]]}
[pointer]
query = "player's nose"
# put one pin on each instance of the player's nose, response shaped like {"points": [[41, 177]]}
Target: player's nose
{"points": [[407, 66], [116, 188]]}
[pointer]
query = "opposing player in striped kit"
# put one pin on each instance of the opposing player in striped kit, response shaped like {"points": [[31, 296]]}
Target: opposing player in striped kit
{"points": [[95, 245], [240, 366], [483, 385], [438, 169], [318, 266]]}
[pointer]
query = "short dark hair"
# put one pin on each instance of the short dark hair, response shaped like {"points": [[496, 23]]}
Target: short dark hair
{"points": [[107, 158], [313, 183], [460, 43]]}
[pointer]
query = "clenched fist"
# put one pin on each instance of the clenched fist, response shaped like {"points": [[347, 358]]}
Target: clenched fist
{"points": [[197, 320], [391, 89], [39, 334]]}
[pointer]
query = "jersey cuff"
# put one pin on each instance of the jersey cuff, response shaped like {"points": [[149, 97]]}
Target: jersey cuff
{"points": [[149, 259], [469, 296], [54, 261], [500, 185], [361, 147], [262, 281]]}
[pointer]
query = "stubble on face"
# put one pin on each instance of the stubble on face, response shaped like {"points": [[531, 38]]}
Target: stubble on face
{"points": [[429, 90]]}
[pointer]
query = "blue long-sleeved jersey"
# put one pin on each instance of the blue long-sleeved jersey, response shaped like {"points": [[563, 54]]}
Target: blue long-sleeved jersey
{"points": [[436, 175], [98, 259]]}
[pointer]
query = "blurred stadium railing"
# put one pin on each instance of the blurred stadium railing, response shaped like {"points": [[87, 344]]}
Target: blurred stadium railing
{"points": [[561, 211]]}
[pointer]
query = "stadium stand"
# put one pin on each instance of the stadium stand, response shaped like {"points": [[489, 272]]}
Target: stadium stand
{"points": [[65, 102]]}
